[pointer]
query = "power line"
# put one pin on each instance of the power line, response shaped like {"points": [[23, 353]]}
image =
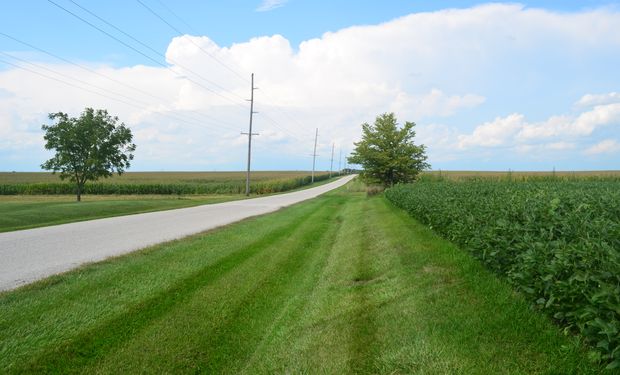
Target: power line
{"points": [[152, 49], [161, 18], [176, 16], [111, 79], [191, 41], [314, 155], [140, 52], [250, 134], [331, 165], [276, 124], [170, 25], [95, 92]]}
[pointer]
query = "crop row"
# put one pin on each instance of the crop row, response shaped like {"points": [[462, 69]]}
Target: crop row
{"points": [[557, 242], [231, 187]]}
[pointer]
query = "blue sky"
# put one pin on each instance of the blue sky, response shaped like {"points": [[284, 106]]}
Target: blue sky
{"points": [[225, 22], [534, 92]]}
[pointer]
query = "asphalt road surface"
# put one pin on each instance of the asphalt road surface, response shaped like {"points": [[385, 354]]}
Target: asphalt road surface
{"points": [[32, 254]]}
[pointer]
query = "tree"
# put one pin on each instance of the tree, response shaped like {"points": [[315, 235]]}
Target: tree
{"points": [[387, 153], [87, 148]]}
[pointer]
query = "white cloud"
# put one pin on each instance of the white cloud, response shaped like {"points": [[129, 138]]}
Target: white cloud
{"points": [[494, 133], [584, 125], [590, 100], [608, 146], [423, 66], [267, 5], [514, 129]]}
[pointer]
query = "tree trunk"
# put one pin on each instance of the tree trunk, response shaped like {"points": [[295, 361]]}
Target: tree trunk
{"points": [[79, 192]]}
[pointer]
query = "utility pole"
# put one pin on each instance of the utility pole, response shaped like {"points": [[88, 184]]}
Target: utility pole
{"points": [[331, 165], [250, 134], [316, 136], [340, 162]]}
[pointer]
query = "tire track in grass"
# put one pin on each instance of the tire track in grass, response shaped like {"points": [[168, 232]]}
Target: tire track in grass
{"points": [[220, 326], [96, 342], [363, 348], [52, 313], [293, 344], [255, 316]]}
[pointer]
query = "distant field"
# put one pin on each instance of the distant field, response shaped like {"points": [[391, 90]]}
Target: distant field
{"points": [[181, 183], [520, 174], [157, 177]]}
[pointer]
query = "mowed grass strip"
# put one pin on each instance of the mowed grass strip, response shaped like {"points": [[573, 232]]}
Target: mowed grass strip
{"points": [[339, 284]]}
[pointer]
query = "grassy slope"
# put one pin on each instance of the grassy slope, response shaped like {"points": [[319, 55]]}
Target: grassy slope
{"points": [[340, 284], [32, 211]]}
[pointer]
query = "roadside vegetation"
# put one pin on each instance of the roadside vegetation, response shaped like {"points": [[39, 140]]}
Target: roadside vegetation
{"points": [[31, 211], [344, 283], [557, 241], [168, 183]]}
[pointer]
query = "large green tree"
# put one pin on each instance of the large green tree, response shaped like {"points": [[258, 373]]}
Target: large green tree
{"points": [[387, 152], [90, 147]]}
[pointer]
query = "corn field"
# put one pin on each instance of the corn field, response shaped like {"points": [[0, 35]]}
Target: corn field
{"points": [[159, 183]]}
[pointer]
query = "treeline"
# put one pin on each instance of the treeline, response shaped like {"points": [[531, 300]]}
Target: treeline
{"points": [[557, 242], [224, 187]]}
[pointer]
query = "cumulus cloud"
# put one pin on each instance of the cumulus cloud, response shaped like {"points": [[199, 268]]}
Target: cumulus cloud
{"points": [[515, 129], [493, 133], [607, 146], [426, 67], [589, 100]]}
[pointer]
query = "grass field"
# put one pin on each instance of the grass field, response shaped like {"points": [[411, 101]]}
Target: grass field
{"points": [[339, 284]]}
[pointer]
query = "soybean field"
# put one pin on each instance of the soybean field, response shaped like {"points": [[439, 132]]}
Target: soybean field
{"points": [[557, 241]]}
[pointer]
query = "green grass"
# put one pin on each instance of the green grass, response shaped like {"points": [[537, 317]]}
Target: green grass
{"points": [[339, 284], [31, 211], [557, 242]]}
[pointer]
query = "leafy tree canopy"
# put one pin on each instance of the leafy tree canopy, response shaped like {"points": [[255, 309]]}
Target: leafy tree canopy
{"points": [[87, 148], [387, 153]]}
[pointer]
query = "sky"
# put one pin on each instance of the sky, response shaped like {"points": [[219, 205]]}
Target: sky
{"points": [[490, 86]]}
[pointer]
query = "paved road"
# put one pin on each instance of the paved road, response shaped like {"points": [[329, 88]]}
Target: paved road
{"points": [[33, 254]]}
